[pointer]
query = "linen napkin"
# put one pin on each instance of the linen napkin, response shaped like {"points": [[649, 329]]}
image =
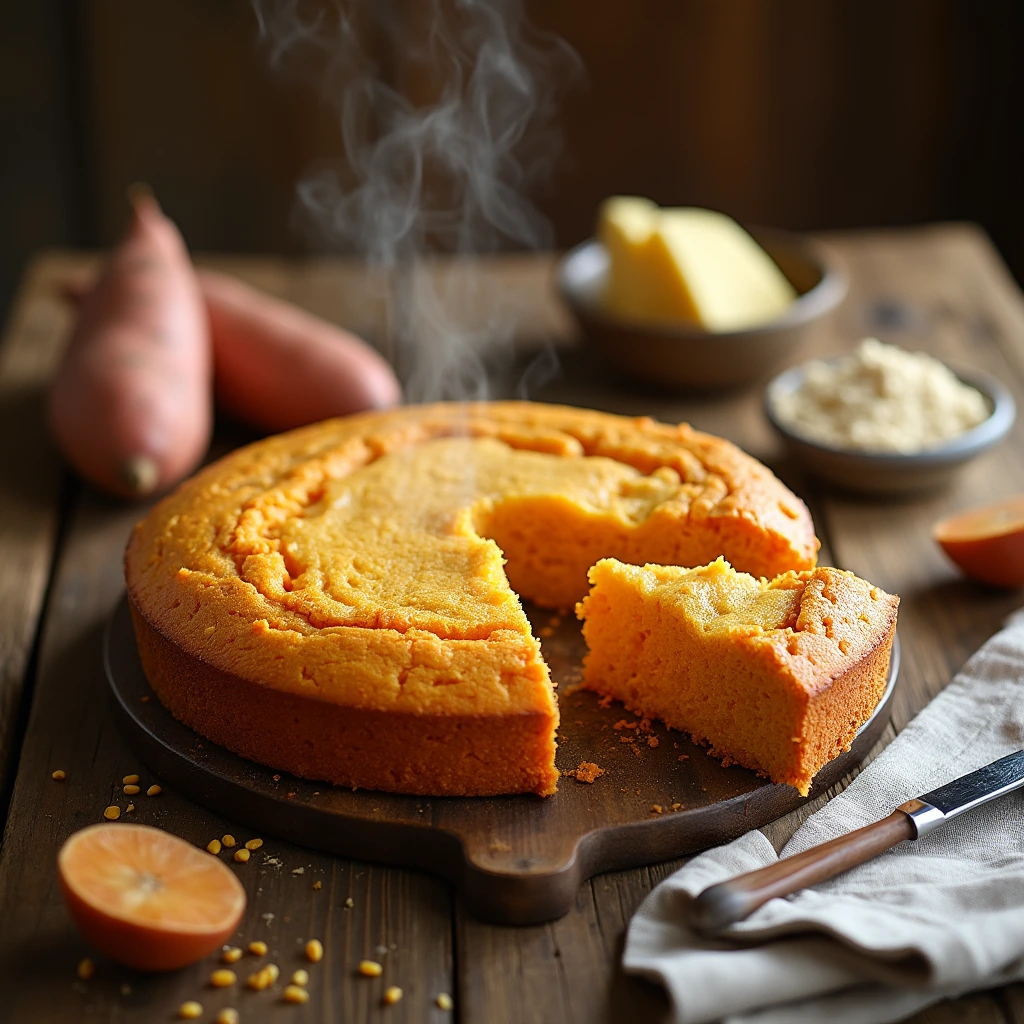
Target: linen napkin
{"points": [[927, 920]]}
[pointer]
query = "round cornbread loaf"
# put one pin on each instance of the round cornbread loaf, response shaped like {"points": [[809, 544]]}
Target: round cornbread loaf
{"points": [[341, 601]]}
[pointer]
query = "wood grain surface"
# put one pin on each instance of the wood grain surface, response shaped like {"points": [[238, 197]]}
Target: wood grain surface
{"points": [[941, 288]]}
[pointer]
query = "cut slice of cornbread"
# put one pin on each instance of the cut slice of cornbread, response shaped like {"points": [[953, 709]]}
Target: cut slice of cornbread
{"points": [[775, 675]]}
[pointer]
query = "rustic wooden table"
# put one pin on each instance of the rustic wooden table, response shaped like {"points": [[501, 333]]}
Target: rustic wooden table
{"points": [[939, 288]]}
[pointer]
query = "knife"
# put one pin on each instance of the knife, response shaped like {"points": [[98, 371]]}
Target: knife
{"points": [[723, 904]]}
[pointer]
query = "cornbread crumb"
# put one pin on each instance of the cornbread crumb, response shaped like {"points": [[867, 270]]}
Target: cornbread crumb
{"points": [[242, 855], [587, 772], [676, 807], [300, 978], [318, 885], [444, 1001], [652, 741], [370, 969], [298, 871], [605, 701], [294, 994], [58, 775], [258, 948], [86, 969], [228, 840], [349, 903], [231, 955], [314, 951], [683, 757], [131, 789], [656, 808], [129, 809], [254, 844], [154, 790], [227, 1016], [392, 995], [190, 1010], [213, 846], [112, 813], [222, 978], [129, 779]]}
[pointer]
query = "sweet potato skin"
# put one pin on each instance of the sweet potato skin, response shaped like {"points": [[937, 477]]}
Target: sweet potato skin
{"points": [[131, 405], [279, 367]]}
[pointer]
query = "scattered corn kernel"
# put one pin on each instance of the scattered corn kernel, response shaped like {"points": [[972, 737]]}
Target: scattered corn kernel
{"points": [[129, 779], [227, 1016], [242, 855], [273, 972], [190, 1010], [59, 775], [213, 846], [112, 813], [258, 948], [260, 980], [228, 840], [223, 978], [314, 951], [231, 955], [86, 969], [318, 885], [131, 789], [370, 969], [254, 844], [392, 995], [294, 994], [154, 790], [444, 1001], [300, 978]]}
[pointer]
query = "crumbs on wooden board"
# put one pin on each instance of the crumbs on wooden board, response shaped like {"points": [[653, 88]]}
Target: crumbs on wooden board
{"points": [[587, 772]]}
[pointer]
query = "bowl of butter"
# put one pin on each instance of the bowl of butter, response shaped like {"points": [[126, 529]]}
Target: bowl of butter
{"points": [[885, 421], [687, 299]]}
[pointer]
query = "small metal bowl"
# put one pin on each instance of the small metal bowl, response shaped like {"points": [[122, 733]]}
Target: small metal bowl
{"points": [[684, 357], [892, 473]]}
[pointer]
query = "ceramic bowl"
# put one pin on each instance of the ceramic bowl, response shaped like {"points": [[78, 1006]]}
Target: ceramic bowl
{"points": [[687, 358], [892, 473]]}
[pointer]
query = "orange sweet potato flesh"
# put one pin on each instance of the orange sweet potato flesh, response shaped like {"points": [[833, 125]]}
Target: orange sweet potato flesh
{"points": [[131, 405], [279, 367]]}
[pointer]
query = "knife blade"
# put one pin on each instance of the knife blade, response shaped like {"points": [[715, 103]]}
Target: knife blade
{"points": [[724, 904], [933, 809]]}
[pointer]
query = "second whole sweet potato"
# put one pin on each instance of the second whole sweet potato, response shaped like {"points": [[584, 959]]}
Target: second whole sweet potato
{"points": [[277, 367]]}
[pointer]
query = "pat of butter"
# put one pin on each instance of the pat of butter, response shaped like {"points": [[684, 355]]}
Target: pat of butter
{"points": [[687, 265]]}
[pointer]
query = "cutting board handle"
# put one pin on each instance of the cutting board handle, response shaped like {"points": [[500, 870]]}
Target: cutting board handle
{"points": [[723, 904]]}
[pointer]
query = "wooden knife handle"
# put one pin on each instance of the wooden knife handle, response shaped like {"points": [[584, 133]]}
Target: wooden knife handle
{"points": [[723, 904]]}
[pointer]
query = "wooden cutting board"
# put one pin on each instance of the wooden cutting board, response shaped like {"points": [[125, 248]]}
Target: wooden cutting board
{"points": [[514, 859]]}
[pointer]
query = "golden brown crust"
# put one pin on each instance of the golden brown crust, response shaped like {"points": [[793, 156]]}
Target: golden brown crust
{"points": [[438, 755]]}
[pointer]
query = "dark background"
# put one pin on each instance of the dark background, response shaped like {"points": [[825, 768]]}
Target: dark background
{"points": [[803, 114]]}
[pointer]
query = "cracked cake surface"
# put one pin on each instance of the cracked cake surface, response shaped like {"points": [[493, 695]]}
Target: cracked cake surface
{"points": [[342, 601]]}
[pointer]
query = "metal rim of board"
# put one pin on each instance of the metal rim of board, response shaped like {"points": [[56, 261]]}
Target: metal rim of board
{"points": [[514, 859]]}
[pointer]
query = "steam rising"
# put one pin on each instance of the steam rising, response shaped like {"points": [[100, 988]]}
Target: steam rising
{"points": [[449, 174]]}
